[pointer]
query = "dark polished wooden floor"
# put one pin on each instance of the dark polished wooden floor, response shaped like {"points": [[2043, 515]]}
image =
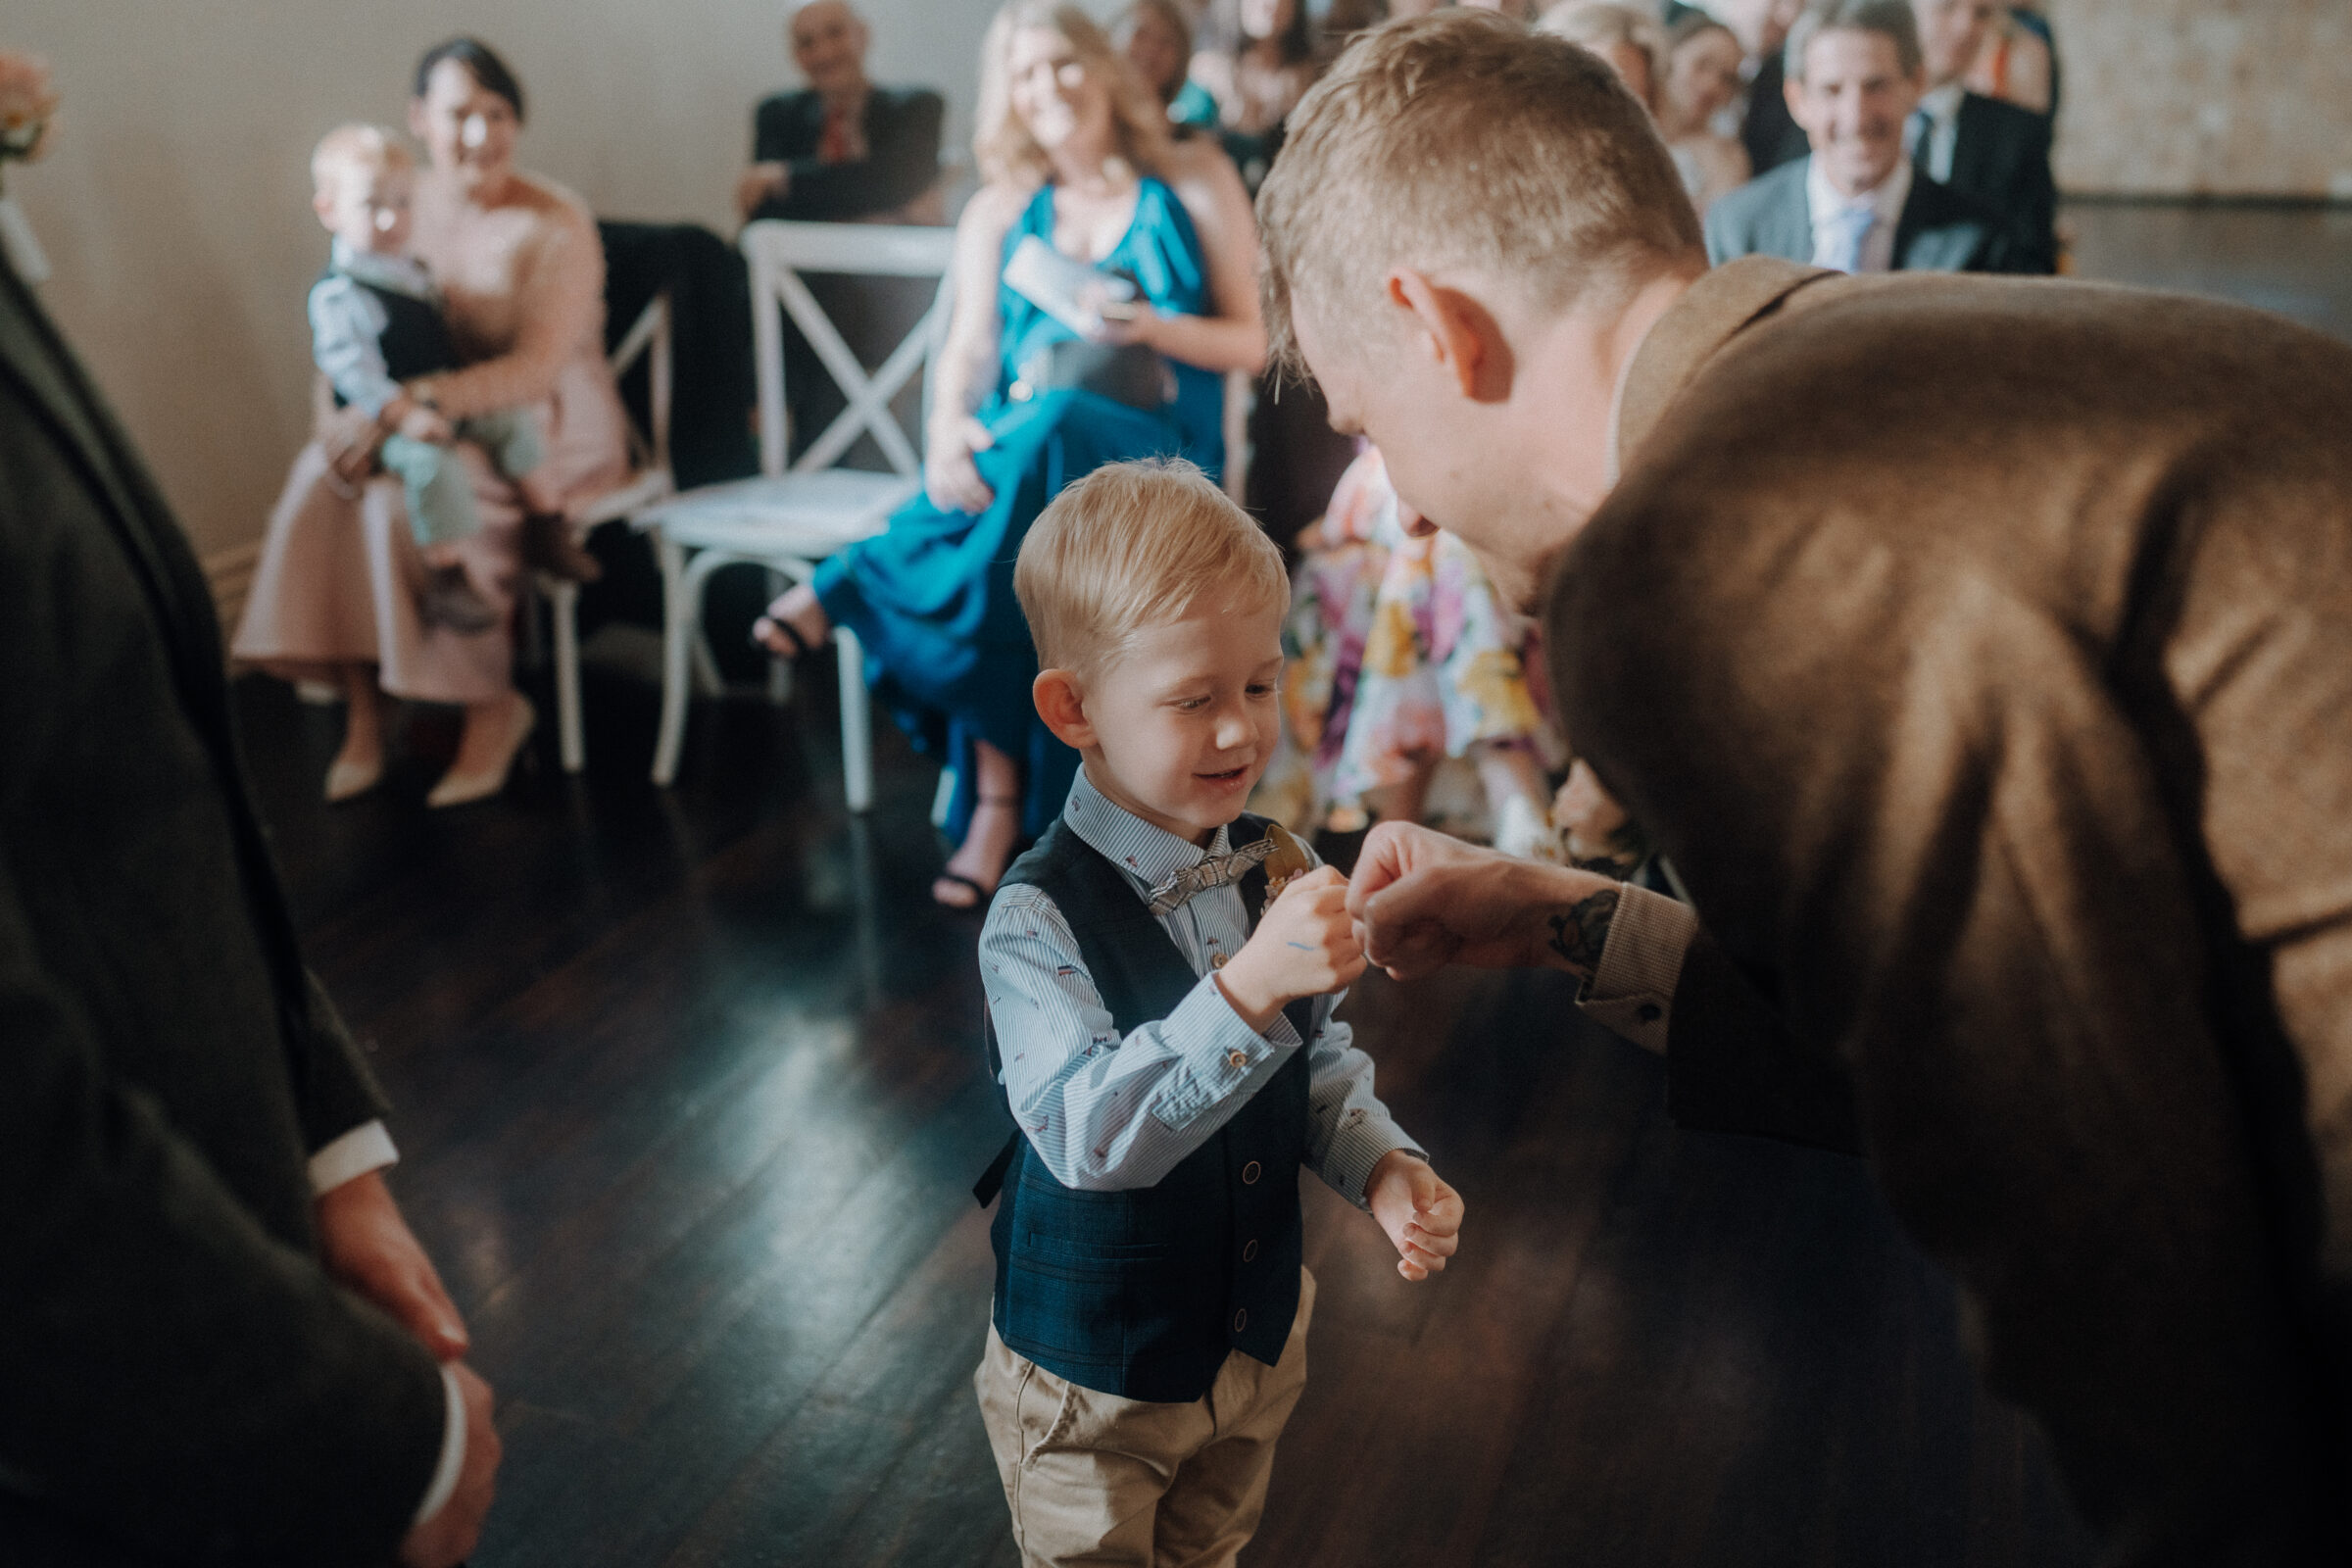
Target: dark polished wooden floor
{"points": [[690, 1093]]}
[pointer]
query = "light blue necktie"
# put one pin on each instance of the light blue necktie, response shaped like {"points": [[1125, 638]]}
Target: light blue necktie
{"points": [[1843, 236]]}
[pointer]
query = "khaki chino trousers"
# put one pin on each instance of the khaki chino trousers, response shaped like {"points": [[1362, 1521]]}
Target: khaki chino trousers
{"points": [[1110, 1483]]}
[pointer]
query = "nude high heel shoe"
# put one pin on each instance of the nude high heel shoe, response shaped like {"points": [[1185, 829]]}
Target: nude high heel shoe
{"points": [[463, 789]]}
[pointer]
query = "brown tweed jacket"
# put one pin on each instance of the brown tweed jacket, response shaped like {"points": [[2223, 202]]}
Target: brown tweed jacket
{"points": [[1980, 652]]}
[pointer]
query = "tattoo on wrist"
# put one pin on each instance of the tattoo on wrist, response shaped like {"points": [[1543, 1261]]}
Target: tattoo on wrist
{"points": [[1580, 931]]}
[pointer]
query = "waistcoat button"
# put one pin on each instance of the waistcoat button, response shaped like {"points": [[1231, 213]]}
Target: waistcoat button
{"points": [[1251, 1174], [1240, 1317], [1250, 1252]]}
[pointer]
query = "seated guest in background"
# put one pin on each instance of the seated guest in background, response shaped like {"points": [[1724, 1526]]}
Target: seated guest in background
{"points": [[1631, 41], [1995, 151], [1402, 657], [1157, 37], [1257, 81], [1699, 82], [335, 594], [377, 325], [1075, 155], [1767, 129], [842, 148], [2017, 61], [1858, 204]]}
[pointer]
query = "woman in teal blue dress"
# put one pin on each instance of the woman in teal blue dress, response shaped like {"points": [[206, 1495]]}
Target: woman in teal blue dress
{"points": [[1077, 157]]}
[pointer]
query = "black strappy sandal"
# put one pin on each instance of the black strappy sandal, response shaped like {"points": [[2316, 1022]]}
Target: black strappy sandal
{"points": [[980, 895]]}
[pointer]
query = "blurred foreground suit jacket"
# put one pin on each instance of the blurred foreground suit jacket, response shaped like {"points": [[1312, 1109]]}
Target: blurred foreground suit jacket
{"points": [[180, 1381], [1981, 653]]}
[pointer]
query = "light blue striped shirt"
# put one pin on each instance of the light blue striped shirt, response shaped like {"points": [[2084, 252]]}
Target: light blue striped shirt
{"points": [[1106, 1112]]}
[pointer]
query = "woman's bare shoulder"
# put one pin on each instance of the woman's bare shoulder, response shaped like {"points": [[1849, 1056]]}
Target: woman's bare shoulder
{"points": [[1205, 182], [557, 206], [994, 206]]}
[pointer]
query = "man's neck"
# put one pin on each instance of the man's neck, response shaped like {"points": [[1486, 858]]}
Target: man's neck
{"points": [[1579, 367]]}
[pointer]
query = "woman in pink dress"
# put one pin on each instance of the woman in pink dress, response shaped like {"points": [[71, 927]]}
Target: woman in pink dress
{"points": [[335, 595]]}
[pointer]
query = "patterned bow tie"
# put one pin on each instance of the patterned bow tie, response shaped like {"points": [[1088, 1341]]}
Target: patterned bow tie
{"points": [[1213, 871]]}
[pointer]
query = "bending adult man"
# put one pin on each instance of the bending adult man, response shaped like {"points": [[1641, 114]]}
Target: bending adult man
{"points": [[1983, 674], [1856, 202], [219, 1341]]}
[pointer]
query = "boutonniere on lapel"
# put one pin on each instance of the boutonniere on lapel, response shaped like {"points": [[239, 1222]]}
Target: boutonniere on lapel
{"points": [[27, 106], [1286, 863]]}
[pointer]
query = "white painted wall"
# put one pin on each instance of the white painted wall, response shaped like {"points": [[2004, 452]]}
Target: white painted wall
{"points": [[174, 202]]}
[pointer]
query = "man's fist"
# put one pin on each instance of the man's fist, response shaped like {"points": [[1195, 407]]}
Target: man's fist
{"points": [[1422, 1215], [1305, 946]]}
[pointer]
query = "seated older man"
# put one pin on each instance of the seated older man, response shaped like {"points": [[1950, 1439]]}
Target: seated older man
{"points": [[842, 149], [1857, 203]]}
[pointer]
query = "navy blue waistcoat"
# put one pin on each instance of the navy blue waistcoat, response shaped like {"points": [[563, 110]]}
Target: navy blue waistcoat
{"points": [[1144, 1293], [415, 338]]}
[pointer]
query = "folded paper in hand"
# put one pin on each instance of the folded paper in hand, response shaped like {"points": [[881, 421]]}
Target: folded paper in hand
{"points": [[1071, 292]]}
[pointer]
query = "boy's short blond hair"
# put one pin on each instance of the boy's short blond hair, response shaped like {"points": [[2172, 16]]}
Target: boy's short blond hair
{"points": [[355, 148], [1134, 545], [1465, 139]]}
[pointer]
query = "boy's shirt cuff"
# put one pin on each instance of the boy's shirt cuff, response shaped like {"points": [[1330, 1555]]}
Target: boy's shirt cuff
{"points": [[1358, 1145], [1219, 1049]]}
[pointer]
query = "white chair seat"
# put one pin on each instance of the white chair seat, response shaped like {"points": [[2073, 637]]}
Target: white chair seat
{"points": [[642, 489], [804, 516]]}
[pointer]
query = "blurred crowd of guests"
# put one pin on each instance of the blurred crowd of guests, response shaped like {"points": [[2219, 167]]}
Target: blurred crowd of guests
{"points": [[1858, 135]]}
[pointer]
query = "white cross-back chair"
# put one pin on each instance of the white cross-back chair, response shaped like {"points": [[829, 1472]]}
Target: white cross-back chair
{"points": [[792, 518], [650, 480]]}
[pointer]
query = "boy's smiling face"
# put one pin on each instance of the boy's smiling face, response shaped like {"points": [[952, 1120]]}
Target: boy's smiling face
{"points": [[1180, 726]]}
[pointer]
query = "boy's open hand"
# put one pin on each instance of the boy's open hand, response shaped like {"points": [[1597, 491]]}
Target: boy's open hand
{"points": [[1422, 1215], [1306, 945]]}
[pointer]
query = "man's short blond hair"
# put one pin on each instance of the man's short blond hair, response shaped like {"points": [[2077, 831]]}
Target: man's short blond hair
{"points": [[1136, 545], [355, 148], [1465, 139]]}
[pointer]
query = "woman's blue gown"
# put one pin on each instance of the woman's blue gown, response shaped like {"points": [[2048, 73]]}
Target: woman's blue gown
{"points": [[946, 648]]}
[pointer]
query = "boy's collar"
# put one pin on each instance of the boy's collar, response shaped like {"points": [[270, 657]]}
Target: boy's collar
{"points": [[403, 274], [1147, 851]]}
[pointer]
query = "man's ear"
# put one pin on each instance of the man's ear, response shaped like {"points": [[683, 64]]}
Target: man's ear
{"points": [[1461, 334], [1061, 703]]}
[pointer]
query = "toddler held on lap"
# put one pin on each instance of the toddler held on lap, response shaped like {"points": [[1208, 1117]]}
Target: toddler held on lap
{"points": [[378, 334], [1161, 973]]}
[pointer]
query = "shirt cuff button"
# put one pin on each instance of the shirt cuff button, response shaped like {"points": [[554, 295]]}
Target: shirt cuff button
{"points": [[1237, 1058]]}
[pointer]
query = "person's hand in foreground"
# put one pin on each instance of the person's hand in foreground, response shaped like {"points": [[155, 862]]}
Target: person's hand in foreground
{"points": [[758, 183], [1422, 1215], [1422, 899], [351, 436], [369, 1248], [1305, 946], [449, 1536], [951, 477]]}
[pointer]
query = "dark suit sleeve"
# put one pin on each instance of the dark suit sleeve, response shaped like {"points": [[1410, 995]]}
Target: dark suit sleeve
{"points": [[157, 1346], [333, 1088], [2037, 199], [1734, 1066], [903, 131], [776, 136]]}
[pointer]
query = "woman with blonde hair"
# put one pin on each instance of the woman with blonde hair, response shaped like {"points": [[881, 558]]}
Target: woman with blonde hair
{"points": [[1103, 288]]}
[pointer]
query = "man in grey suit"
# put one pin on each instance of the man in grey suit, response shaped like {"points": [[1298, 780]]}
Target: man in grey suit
{"points": [[220, 1343], [1858, 204], [1998, 154], [1978, 652]]}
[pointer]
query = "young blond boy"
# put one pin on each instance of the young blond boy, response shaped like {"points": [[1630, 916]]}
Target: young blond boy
{"points": [[1169, 1055], [376, 328]]}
